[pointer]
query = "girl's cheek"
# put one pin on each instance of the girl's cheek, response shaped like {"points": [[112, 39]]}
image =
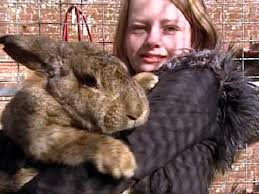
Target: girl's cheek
{"points": [[135, 42], [178, 41]]}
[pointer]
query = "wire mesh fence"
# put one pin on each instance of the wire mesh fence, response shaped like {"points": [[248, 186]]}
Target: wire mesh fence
{"points": [[237, 21]]}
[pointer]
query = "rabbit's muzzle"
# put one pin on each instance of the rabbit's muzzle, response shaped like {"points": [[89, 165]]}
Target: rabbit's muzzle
{"points": [[125, 116], [129, 110]]}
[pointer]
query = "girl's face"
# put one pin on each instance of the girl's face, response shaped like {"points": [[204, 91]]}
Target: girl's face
{"points": [[156, 31]]}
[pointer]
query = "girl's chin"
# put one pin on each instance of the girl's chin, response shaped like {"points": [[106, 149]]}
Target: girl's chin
{"points": [[146, 67]]}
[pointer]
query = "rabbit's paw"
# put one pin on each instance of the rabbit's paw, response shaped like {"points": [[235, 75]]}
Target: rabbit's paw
{"points": [[115, 158], [23, 176], [147, 80], [128, 191]]}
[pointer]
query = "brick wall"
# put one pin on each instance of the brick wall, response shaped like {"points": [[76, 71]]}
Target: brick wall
{"points": [[236, 20]]}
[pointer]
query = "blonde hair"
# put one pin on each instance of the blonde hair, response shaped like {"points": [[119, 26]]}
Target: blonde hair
{"points": [[203, 33]]}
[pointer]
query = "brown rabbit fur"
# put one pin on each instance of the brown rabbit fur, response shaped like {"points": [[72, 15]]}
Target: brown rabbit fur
{"points": [[81, 95]]}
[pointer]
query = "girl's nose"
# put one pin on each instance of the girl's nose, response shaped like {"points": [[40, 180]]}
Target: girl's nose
{"points": [[154, 37]]}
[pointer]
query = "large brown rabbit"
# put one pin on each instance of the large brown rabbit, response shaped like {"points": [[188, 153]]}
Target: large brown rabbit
{"points": [[80, 96]]}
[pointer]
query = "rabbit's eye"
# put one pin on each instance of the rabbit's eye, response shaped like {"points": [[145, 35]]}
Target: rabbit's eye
{"points": [[89, 80]]}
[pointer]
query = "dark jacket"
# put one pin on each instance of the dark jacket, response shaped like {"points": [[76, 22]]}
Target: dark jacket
{"points": [[202, 111]]}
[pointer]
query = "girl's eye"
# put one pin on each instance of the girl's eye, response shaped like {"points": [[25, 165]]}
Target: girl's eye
{"points": [[136, 29], [88, 80], [171, 29]]}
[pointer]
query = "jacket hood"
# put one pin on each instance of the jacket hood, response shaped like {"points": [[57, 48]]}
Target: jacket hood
{"points": [[238, 111]]}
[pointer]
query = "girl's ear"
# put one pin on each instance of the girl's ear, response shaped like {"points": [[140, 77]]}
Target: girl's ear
{"points": [[36, 52]]}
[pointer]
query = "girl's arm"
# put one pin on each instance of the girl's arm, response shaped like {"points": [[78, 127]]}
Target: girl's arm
{"points": [[183, 112]]}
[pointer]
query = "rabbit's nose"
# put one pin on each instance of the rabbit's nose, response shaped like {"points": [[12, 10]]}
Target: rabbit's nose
{"points": [[131, 117]]}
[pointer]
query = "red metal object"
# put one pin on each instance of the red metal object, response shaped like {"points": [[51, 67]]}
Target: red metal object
{"points": [[78, 14]]}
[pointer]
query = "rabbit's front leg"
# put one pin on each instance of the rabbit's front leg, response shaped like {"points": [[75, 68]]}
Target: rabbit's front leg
{"points": [[72, 147]]}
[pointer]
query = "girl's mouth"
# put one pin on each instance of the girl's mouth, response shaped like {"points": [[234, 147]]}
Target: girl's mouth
{"points": [[151, 58]]}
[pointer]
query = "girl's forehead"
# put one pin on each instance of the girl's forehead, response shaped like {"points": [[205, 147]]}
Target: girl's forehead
{"points": [[154, 9]]}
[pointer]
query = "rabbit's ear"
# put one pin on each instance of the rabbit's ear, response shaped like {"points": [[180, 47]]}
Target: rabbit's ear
{"points": [[38, 53]]}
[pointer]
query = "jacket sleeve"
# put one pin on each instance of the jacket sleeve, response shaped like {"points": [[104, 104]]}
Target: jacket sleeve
{"points": [[207, 98], [183, 110]]}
